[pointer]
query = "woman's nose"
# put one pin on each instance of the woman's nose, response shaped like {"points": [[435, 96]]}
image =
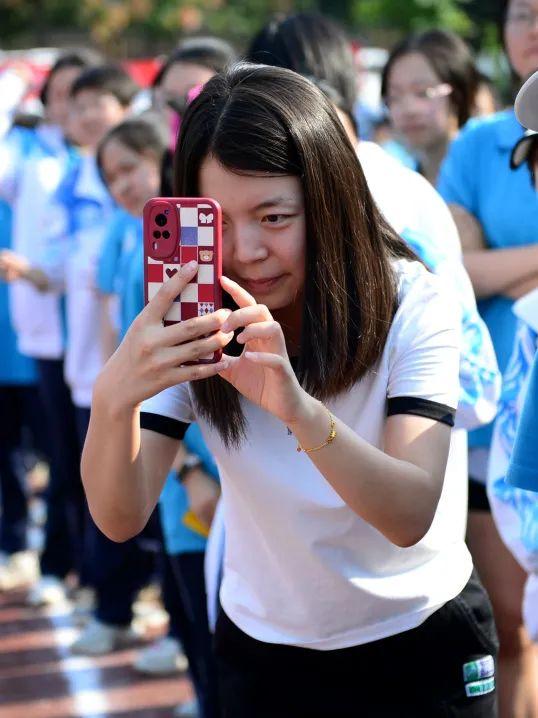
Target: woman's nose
{"points": [[247, 244]]}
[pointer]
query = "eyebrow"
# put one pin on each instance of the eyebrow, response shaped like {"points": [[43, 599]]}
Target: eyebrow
{"points": [[275, 201]]}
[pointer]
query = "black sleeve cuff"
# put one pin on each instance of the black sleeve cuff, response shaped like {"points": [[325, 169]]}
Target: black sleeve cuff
{"points": [[163, 425], [421, 407]]}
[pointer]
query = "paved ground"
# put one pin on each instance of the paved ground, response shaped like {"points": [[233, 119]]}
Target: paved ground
{"points": [[39, 678]]}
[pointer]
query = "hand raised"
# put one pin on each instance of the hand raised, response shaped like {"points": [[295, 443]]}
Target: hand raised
{"points": [[153, 357], [263, 373]]}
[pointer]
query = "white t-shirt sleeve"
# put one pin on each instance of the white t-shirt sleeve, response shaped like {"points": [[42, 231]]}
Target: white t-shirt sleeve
{"points": [[435, 220], [425, 341], [170, 412]]}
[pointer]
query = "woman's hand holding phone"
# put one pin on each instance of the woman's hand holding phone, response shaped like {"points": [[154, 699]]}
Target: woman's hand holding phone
{"points": [[152, 357], [263, 373]]}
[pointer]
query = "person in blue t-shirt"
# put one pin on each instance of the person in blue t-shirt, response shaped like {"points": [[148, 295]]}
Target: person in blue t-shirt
{"points": [[429, 85], [496, 209], [130, 160], [17, 394]]}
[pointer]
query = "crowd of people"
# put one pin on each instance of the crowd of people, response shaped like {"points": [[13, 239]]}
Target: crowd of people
{"points": [[331, 508]]}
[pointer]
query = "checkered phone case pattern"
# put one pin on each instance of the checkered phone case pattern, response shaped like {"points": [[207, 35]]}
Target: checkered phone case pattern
{"points": [[197, 221]]}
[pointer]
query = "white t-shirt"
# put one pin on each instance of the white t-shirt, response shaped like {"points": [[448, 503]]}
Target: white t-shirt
{"points": [[32, 164], [78, 223], [300, 567]]}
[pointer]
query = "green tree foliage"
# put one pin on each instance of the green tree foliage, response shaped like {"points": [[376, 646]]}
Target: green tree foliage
{"points": [[409, 15], [107, 21]]}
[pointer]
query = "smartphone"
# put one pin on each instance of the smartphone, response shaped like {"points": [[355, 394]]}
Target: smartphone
{"points": [[178, 230]]}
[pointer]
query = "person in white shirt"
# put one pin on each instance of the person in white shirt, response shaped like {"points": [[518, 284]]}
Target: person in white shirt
{"points": [[32, 165], [345, 568]]}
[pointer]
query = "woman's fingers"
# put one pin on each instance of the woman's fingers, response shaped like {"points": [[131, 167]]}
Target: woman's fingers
{"points": [[266, 359], [240, 296], [194, 328], [265, 331], [247, 315], [192, 351], [193, 373], [172, 288]]}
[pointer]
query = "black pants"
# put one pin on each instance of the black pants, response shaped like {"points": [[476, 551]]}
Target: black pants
{"points": [[64, 529], [15, 401], [117, 571], [416, 674], [190, 624]]}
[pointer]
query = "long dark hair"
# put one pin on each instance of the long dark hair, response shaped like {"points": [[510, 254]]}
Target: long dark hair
{"points": [[81, 58], [255, 118], [314, 46], [146, 134], [451, 60]]}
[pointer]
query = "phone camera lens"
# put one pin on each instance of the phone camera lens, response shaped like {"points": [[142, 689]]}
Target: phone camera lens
{"points": [[166, 234], [161, 219], [157, 234]]}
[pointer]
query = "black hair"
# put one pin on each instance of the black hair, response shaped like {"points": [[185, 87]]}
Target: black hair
{"points": [[110, 79], [255, 118], [451, 60], [82, 59], [210, 52], [144, 134], [503, 14], [312, 45]]}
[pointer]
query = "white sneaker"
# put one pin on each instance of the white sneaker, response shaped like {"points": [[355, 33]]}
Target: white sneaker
{"points": [[162, 657], [187, 710], [48, 591], [19, 570], [98, 639]]}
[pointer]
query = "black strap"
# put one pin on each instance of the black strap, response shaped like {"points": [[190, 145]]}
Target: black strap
{"points": [[421, 407], [163, 425]]}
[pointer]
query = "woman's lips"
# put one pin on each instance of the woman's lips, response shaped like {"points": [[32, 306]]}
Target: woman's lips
{"points": [[261, 286]]}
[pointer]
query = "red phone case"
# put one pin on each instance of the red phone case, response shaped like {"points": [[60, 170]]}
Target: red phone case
{"points": [[178, 230]]}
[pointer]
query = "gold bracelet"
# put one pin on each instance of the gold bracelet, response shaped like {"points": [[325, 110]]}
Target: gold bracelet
{"points": [[328, 440]]}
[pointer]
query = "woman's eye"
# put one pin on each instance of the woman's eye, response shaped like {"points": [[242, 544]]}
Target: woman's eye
{"points": [[274, 218]]}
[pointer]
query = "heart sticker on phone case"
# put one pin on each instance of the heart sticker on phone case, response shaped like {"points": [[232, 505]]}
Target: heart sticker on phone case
{"points": [[171, 272]]}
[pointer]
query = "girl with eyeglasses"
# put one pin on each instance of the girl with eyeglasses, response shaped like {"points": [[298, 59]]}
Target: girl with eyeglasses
{"points": [[429, 86]]}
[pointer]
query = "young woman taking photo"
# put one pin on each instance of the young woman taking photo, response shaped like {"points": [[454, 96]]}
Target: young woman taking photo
{"points": [[329, 416]]}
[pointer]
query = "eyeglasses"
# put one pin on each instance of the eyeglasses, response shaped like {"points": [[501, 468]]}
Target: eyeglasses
{"points": [[394, 101], [522, 19]]}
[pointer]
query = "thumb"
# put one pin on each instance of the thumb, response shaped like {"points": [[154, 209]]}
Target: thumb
{"points": [[169, 291]]}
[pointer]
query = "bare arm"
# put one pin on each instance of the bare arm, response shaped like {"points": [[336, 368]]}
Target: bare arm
{"points": [[15, 267], [395, 489], [519, 290], [124, 468], [133, 465], [493, 271]]}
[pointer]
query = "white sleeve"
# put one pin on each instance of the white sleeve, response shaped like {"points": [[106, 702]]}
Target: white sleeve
{"points": [[168, 412], [425, 342], [435, 220], [56, 244], [12, 90], [11, 158]]}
